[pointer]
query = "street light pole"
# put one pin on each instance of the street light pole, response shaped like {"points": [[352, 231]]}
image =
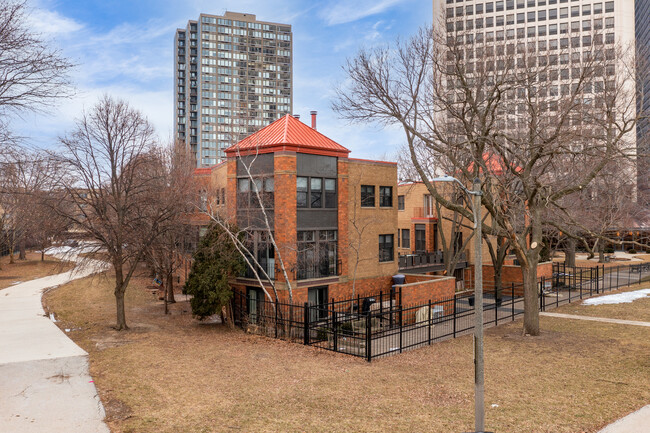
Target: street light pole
{"points": [[479, 383], [479, 379]]}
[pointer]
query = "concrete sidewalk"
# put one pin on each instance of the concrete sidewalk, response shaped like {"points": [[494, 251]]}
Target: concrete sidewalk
{"points": [[636, 422], [44, 380]]}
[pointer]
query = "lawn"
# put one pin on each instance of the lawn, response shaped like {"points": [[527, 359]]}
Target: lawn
{"points": [[638, 310], [25, 270], [173, 374]]}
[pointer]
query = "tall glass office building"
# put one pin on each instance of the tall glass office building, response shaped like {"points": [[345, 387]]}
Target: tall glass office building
{"points": [[232, 76]]}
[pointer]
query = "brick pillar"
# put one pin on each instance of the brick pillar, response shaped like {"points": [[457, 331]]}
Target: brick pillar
{"points": [[231, 188], [284, 173], [343, 214]]}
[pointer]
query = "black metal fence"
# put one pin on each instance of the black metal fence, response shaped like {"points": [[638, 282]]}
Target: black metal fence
{"points": [[380, 325]]}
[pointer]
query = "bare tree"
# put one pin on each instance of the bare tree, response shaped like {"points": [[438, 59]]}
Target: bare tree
{"points": [[175, 185], [511, 114], [33, 76], [111, 189]]}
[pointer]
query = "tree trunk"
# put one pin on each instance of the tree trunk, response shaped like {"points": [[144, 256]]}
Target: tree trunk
{"points": [[121, 316], [531, 299], [43, 255], [22, 255], [570, 253], [119, 296], [601, 252], [498, 283], [170, 288]]}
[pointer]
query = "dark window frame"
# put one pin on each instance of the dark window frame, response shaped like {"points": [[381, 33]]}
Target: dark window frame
{"points": [[387, 248], [306, 197], [368, 194], [406, 240], [386, 199], [400, 202]]}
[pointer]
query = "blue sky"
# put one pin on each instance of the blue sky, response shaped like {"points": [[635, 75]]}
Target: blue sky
{"points": [[124, 48]]}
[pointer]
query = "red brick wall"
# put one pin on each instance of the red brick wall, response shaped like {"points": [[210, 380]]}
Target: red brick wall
{"points": [[285, 208], [509, 274], [419, 289], [231, 188]]}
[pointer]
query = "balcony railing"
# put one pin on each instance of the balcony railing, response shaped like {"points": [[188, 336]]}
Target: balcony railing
{"points": [[269, 267], [420, 212], [318, 270], [419, 260]]}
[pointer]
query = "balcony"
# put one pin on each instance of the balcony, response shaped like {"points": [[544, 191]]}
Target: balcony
{"points": [[323, 269], [428, 262], [267, 266], [420, 212]]}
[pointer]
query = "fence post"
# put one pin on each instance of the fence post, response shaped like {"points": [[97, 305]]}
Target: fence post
{"points": [[597, 279], [400, 321], [640, 272], [617, 271], [496, 309], [455, 301], [335, 332], [512, 302], [368, 338], [429, 327], [306, 324], [629, 275], [276, 319], [381, 305]]}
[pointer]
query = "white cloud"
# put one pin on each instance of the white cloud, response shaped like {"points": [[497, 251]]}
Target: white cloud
{"points": [[52, 23], [345, 11]]}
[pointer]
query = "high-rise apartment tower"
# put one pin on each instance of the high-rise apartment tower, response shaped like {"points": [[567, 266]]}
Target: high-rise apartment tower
{"points": [[564, 29], [232, 76]]}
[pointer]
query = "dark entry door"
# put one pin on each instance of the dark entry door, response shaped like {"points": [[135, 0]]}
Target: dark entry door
{"points": [[420, 238], [317, 296]]}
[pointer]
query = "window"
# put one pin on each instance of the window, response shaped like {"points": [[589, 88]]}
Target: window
{"points": [[575, 11], [316, 192], [317, 253], [367, 196], [302, 184], [400, 202], [609, 7], [330, 193], [609, 22], [386, 253], [247, 192], [598, 8], [564, 12], [386, 196], [311, 194], [406, 238], [552, 14]]}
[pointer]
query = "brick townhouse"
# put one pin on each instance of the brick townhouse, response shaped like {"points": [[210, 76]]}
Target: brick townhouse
{"points": [[330, 214]]}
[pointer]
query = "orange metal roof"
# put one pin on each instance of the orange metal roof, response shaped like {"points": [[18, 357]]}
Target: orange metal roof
{"points": [[288, 133]]}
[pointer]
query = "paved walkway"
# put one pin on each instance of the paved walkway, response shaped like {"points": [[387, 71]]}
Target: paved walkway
{"points": [[636, 422], [596, 319], [44, 380]]}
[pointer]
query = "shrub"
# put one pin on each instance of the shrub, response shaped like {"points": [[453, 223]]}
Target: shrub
{"points": [[608, 250], [631, 251]]}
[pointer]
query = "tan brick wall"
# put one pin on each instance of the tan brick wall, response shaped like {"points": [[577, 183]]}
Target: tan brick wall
{"points": [[371, 221], [414, 213]]}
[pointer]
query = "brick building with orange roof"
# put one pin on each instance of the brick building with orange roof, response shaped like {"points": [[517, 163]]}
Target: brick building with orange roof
{"points": [[334, 218]]}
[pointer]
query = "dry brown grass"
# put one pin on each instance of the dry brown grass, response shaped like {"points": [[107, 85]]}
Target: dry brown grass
{"points": [[25, 270], [638, 310], [172, 374]]}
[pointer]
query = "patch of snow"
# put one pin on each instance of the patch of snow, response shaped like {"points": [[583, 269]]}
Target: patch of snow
{"points": [[495, 405], [16, 282], [52, 318], [619, 298]]}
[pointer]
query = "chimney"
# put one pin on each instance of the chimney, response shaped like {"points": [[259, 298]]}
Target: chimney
{"points": [[296, 116], [313, 119]]}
